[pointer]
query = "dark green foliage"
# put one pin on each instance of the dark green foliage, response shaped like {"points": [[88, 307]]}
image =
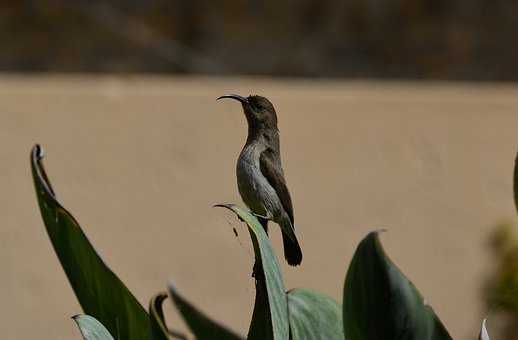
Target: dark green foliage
{"points": [[159, 329], [100, 292], [200, 325], [515, 182], [274, 304], [501, 286], [381, 303], [314, 315], [309, 315]]}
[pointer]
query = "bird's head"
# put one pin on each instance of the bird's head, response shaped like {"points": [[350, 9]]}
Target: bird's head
{"points": [[258, 110]]}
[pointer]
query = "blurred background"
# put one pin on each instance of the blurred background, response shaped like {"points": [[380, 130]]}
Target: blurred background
{"points": [[440, 39], [397, 114]]}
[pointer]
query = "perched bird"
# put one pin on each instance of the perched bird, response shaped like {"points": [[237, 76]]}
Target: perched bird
{"points": [[260, 177]]}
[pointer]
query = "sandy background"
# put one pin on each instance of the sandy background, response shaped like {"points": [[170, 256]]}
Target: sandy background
{"points": [[140, 161]]}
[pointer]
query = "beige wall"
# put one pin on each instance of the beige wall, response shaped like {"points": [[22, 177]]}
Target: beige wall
{"points": [[140, 161]]}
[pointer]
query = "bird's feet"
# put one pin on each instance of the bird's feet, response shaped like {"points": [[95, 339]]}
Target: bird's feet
{"points": [[267, 218]]}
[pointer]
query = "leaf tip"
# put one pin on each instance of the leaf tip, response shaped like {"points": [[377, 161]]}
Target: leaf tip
{"points": [[223, 205], [374, 234], [38, 151], [379, 231], [158, 298]]}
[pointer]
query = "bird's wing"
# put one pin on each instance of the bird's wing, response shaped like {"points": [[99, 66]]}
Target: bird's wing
{"points": [[272, 171]]}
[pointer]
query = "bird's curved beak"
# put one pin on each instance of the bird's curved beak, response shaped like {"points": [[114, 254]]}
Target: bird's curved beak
{"points": [[241, 99]]}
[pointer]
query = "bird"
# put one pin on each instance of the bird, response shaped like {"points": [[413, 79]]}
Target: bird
{"points": [[260, 177]]}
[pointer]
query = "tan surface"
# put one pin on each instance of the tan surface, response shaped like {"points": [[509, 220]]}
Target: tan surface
{"points": [[140, 161]]}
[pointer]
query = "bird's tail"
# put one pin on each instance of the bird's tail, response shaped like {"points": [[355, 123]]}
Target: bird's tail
{"points": [[292, 251]]}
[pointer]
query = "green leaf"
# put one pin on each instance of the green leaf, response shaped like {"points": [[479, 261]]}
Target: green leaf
{"points": [[314, 316], [483, 331], [159, 329], [381, 303], [200, 324], [270, 317], [91, 329], [99, 291]]}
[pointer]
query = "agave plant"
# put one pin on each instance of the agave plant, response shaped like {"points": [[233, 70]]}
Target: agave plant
{"points": [[379, 302], [91, 329], [501, 289]]}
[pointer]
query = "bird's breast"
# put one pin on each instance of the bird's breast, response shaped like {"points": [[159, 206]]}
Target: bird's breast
{"points": [[253, 186], [248, 172]]}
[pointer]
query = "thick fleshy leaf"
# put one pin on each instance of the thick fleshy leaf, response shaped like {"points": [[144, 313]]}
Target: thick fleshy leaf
{"points": [[200, 325], [314, 316], [270, 317], [99, 291], [483, 332], [159, 329], [381, 303], [91, 329]]}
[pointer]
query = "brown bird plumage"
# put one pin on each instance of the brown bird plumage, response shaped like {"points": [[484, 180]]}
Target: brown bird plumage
{"points": [[260, 175]]}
